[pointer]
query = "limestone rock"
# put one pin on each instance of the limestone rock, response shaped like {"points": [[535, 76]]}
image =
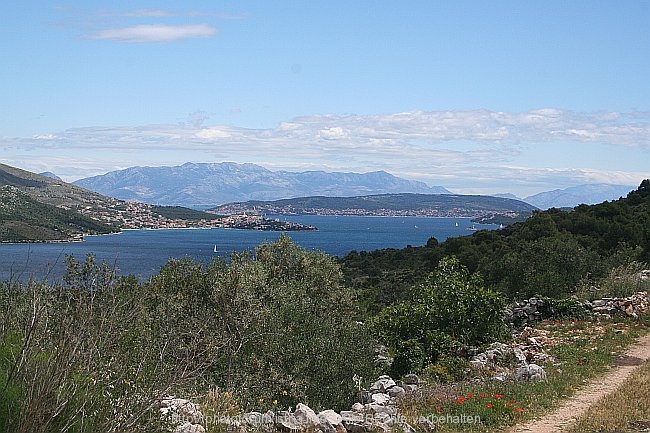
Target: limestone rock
{"points": [[353, 422], [382, 384], [532, 372], [188, 427], [379, 408], [380, 398], [286, 420], [396, 392], [306, 417], [329, 421]]}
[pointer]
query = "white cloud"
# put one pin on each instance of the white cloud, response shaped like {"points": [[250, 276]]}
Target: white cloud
{"points": [[333, 133], [213, 133], [418, 132], [44, 137], [467, 151], [156, 33]]}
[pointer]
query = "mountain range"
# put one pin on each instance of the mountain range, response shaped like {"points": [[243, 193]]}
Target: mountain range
{"points": [[204, 185], [581, 194]]}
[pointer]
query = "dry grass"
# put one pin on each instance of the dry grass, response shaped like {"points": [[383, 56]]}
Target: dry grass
{"points": [[625, 410]]}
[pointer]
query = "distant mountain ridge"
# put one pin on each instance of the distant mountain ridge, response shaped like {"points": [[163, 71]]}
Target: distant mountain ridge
{"points": [[211, 184], [403, 204], [576, 195]]}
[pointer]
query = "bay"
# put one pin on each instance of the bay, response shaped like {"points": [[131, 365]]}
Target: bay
{"points": [[143, 252]]}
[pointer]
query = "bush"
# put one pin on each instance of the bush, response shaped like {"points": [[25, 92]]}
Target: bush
{"points": [[447, 369], [98, 352], [452, 308], [86, 361], [562, 309]]}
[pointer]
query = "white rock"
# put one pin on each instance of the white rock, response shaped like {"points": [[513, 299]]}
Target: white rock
{"points": [[188, 427], [329, 420], [531, 372], [330, 416], [379, 408], [380, 398], [306, 417], [396, 392], [286, 420], [382, 384]]}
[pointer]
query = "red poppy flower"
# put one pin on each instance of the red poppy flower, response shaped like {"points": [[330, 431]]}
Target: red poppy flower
{"points": [[489, 405]]}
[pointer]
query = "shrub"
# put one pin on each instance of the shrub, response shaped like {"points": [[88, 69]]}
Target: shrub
{"points": [[97, 353], [568, 308], [444, 313], [281, 326], [447, 369]]}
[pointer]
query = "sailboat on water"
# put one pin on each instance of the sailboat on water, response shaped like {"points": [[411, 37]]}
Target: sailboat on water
{"points": [[215, 248]]}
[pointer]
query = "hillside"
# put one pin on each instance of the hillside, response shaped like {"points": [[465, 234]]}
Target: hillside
{"points": [[434, 205], [35, 207], [51, 191], [23, 219], [205, 185]]}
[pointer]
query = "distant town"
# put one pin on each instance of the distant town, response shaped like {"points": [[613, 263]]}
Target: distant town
{"points": [[431, 213]]}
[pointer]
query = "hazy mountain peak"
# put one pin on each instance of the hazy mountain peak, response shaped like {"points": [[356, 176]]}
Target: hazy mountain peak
{"points": [[576, 195], [208, 184], [50, 175]]}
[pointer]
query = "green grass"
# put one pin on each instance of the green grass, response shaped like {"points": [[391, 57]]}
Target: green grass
{"points": [[584, 351]]}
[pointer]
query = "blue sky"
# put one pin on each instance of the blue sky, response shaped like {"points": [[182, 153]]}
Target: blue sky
{"points": [[476, 96]]}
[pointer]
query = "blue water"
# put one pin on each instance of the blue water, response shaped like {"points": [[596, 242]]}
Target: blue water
{"points": [[143, 252]]}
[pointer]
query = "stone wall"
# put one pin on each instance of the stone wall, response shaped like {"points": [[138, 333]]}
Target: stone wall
{"points": [[377, 412], [534, 309]]}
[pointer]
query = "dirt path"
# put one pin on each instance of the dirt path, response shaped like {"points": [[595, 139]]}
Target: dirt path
{"points": [[591, 393]]}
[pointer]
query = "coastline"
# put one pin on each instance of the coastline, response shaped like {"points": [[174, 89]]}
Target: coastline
{"points": [[80, 239]]}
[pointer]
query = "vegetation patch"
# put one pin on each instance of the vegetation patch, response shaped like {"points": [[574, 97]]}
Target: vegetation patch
{"points": [[581, 351]]}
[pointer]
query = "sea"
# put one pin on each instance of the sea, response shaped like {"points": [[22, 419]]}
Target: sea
{"points": [[142, 252]]}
